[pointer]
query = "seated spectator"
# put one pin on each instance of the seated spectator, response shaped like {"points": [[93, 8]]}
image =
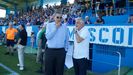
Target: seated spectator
{"points": [[130, 19], [87, 20], [99, 20]]}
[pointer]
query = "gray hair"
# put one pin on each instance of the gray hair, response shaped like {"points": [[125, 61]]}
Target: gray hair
{"points": [[80, 20]]}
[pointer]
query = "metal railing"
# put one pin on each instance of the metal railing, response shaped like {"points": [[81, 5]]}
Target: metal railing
{"points": [[119, 61], [115, 52]]}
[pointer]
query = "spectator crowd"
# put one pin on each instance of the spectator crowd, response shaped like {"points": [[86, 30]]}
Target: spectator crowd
{"points": [[40, 15], [53, 21]]}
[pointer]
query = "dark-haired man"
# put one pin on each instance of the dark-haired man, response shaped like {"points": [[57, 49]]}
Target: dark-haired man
{"points": [[21, 46]]}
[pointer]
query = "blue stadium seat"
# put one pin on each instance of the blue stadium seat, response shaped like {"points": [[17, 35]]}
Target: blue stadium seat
{"points": [[120, 19]]}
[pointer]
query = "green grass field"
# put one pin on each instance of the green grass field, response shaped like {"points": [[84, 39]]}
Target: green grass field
{"points": [[11, 62], [31, 66], [3, 71]]}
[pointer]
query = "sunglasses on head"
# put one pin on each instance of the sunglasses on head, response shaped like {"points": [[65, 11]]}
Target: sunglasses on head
{"points": [[59, 17]]}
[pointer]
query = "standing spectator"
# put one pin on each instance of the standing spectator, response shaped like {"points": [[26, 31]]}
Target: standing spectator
{"points": [[93, 6], [41, 47], [87, 5], [81, 48], [97, 8], [102, 7], [32, 39], [43, 44], [109, 7], [37, 41], [120, 5], [21, 46], [10, 36], [57, 41]]}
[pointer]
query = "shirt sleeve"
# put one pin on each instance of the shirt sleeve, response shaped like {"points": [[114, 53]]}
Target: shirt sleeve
{"points": [[16, 30], [67, 40], [50, 31], [84, 34], [39, 35]]}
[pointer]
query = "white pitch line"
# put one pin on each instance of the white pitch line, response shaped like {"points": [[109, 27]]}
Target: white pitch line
{"points": [[8, 69]]}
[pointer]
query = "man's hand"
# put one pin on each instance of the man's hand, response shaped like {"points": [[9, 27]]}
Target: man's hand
{"points": [[75, 30]]}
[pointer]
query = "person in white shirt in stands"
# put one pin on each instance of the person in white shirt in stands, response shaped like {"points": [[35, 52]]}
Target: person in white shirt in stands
{"points": [[81, 48]]}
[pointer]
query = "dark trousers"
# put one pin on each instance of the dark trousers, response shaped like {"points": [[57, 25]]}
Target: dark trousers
{"points": [[54, 61], [80, 66]]}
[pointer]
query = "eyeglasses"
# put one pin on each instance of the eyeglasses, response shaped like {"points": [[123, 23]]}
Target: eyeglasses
{"points": [[59, 17]]}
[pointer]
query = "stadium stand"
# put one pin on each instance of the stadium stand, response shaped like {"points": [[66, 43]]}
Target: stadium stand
{"points": [[38, 16]]}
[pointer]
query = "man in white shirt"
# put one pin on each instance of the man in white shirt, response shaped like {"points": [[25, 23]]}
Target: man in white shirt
{"points": [[81, 48]]}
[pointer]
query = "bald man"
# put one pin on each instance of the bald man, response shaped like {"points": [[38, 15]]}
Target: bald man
{"points": [[10, 36]]}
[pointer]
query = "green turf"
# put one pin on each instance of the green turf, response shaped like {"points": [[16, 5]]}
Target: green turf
{"points": [[30, 65], [11, 61], [124, 71], [3, 71], [130, 72]]}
